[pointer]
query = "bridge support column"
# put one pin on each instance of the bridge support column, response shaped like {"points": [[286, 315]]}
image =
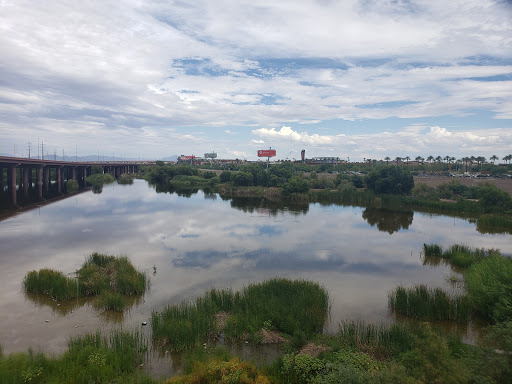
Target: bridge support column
{"points": [[73, 173], [1, 179], [58, 170], [39, 178], [46, 178], [25, 172], [11, 176]]}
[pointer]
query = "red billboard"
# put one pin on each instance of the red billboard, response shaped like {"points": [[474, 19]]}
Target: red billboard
{"points": [[266, 153]]}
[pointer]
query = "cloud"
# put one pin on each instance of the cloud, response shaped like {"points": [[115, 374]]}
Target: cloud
{"points": [[254, 141], [287, 133]]}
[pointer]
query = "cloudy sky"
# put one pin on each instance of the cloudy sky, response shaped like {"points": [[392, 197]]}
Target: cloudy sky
{"points": [[354, 79]]}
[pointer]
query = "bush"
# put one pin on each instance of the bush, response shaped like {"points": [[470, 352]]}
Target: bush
{"points": [[72, 186], [296, 184], [225, 176], [494, 199]]}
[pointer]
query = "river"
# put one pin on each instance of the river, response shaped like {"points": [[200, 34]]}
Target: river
{"points": [[189, 244]]}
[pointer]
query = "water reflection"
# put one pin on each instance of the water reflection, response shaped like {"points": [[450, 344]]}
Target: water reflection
{"points": [[199, 242], [267, 207], [387, 220], [64, 308]]}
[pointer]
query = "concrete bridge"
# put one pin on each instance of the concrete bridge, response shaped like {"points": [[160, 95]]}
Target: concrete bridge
{"points": [[24, 174]]}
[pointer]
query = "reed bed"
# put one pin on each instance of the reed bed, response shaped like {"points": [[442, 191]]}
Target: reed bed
{"points": [[104, 275], [430, 304], [391, 339], [294, 307], [90, 358], [457, 254]]}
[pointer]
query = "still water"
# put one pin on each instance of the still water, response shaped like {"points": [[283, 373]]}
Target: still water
{"points": [[189, 244]]}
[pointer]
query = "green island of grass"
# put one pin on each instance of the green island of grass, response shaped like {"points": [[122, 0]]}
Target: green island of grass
{"points": [[108, 277]]}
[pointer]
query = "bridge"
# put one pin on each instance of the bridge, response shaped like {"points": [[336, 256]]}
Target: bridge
{"points": [[22, 174]]}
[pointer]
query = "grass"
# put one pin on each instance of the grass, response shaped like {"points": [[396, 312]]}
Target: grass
{"points": [[458, 255], [430, 304], [90, 358], [297, 308], [108, 276]]}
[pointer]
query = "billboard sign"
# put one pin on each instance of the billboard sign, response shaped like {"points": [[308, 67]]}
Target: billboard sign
{"points": [[266, 153], [212, 155]]}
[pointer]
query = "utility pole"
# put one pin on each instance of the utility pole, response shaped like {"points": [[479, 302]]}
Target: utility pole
{"points": [[38, 147], [28, 149], [42, 150]]}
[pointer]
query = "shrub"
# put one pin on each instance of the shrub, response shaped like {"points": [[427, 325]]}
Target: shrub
{"points": [[72, 186]]}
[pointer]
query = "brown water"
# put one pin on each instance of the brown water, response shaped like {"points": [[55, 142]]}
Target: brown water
{"points": [[190, 244]]}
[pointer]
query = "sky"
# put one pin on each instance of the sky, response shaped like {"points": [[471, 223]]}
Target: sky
{"points": [[354, 79]]}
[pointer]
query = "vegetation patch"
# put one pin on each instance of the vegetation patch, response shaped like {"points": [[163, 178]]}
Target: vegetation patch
{"points": [[90, 358], [297, 308], [431, 304], [125, 178], [104, 275], [98, 179]]}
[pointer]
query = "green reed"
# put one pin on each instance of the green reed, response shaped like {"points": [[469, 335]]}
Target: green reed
{"points": [[291, 306], [430, 304], [99, 274], [90, 358], [458, 255]]}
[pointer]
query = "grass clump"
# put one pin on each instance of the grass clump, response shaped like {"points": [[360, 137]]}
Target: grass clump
{"points": [[91, 358], [125, 178], [458, 255], [430, 304], [294, 307], [49, 282], [110, 277]]}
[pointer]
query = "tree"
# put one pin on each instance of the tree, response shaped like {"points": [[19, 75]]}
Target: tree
{"points": [[225, 176], [407, 158], [419, 159], [394, 180], [430, 159], [387, 158], [296, 184], [493, 158], [398, 159]]}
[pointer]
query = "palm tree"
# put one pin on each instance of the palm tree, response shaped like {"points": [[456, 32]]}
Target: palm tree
{"points": [[493, 158], [407, 158], [507, 158], [419, 159], [398, 159], [439, 159], [447, 159], [387, 158], [430, 159]]}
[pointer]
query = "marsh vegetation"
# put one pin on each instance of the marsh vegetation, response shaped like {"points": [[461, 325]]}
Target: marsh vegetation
{"points": [[108, 277]]}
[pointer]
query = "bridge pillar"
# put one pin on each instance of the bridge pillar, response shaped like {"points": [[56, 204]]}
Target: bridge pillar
{"points": [[11, 183], [73, 173], [25, 172], [85, 176], [46, 178], [58, 170], [1, 179], [39, 177]]}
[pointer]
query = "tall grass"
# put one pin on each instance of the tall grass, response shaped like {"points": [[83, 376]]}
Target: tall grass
{"points": [[489, 287], [113, 276], [423, 303], [294, 307], [90, 358], [390, 339], [458, 255]]}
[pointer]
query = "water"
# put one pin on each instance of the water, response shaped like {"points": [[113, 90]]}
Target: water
{"points": [[188, 245]]}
